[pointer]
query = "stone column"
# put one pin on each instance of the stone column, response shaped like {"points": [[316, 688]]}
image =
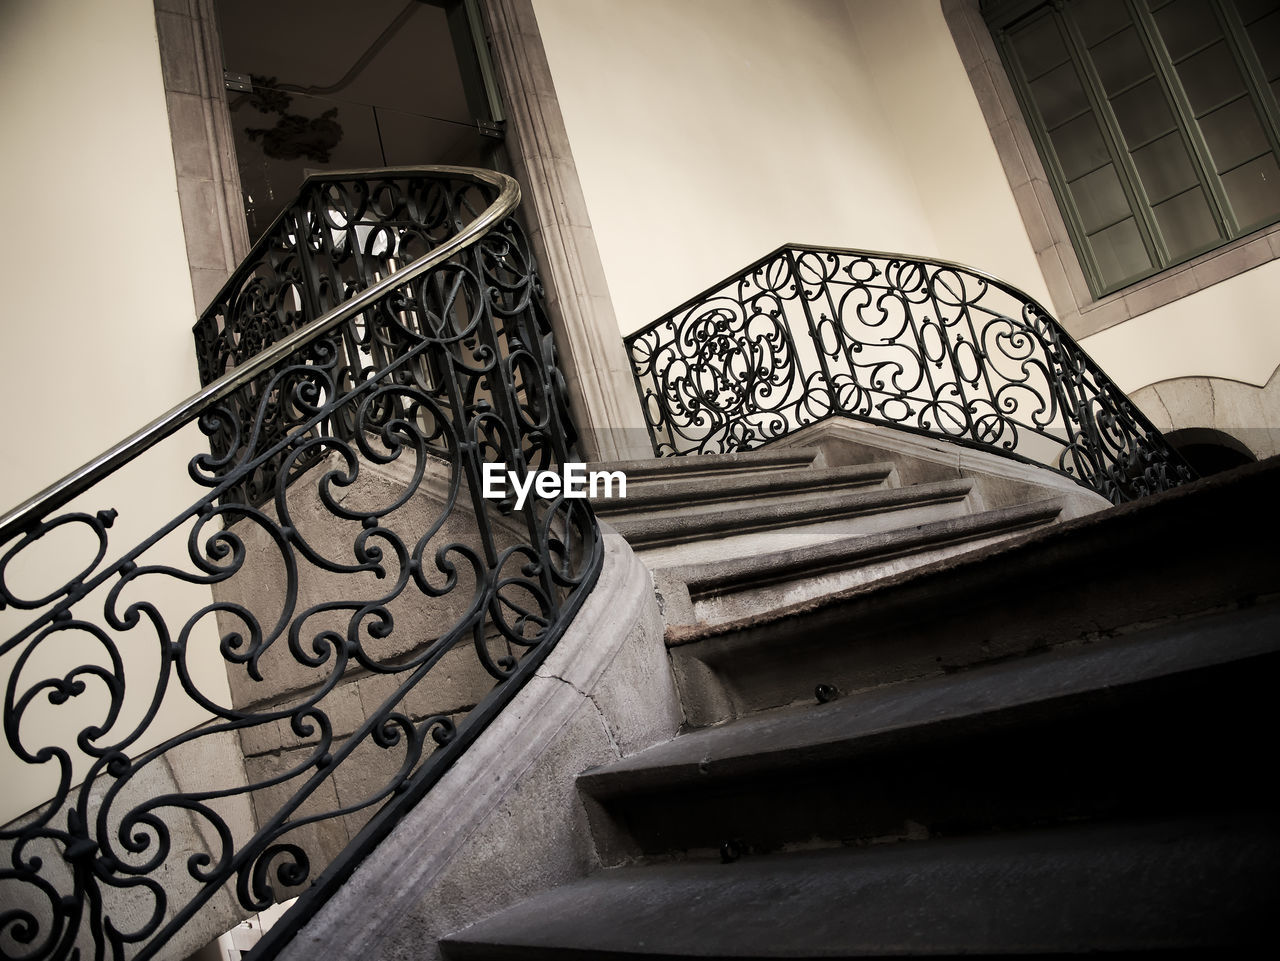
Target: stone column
{"points": [[203, 148], [601, 390]]}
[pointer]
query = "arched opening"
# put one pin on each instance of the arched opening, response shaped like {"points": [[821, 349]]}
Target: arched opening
{"points": [[1209, 451]]}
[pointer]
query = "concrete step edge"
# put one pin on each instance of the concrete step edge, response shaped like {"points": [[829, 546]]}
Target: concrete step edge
{"points": [[1190, 517], [756, 460], [677, 527], [759, 570], [1168, 883], [905, 712], [675, 492]]}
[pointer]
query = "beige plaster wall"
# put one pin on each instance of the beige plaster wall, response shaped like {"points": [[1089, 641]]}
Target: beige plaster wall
{"points": [[939, 132], [98, 304], [1230, 330], [96, 318], [707, 132], [1211, 317], [1211, 359]]}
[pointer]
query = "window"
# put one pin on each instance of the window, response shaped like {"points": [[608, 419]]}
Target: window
{"points": [[1157, 121]]}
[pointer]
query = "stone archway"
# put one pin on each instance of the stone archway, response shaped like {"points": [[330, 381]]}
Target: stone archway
{"points": [[1227, 412], [1208, 450]]}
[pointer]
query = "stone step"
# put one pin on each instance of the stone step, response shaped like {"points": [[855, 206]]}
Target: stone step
{"points": [[659, 492], [1205, 547], [1165, 721], [710, 465], [919, 459], [723, 590], [783, 518], [1195, 883]]}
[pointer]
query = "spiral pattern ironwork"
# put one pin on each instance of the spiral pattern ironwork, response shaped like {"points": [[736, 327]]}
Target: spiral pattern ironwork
{"points": [[809, 333], [370, 610]]}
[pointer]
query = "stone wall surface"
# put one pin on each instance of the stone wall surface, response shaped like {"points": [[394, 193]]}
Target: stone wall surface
{"points": [[506, 820]]}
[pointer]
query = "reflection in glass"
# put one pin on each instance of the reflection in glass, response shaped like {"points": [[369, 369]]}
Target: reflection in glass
{"points": [[1164, 167], [1210, 78], [1100, 198], [1039, 47], [1120, 252], [1143, 113], [1254, 191], [1080, 146], [1099, 19], [1186, 26], [1059, 95], [1234, 134], [1262, 24], [1121, 61], [1186, 223]]}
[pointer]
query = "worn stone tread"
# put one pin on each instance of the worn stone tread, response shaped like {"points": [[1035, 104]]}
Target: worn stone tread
{"points": [[678, 527], [711, 464], [1205, 882], [767, 743], [758, 570], [683, 489], [1177, 526]]}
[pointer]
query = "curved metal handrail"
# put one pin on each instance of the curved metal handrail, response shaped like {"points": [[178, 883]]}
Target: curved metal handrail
{"points": [[181, 414], [345, 629], [807, 332], [853, 251]]}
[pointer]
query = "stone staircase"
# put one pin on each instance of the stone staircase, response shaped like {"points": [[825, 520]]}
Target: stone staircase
{"points": [[934, 708], [734, 535]]}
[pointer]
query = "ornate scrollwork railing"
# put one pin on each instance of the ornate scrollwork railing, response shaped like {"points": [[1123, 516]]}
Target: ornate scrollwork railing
{"points": [[345, 233], [808, 333], [347, 611]]}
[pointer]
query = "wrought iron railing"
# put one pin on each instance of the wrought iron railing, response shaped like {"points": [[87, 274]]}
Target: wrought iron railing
{"points": [[808, 333], [365, 609], [343, 234]]}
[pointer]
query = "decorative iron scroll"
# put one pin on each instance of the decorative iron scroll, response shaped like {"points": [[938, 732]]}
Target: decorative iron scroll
{"points": [[344, 234], [366, 609], [807, 333]]}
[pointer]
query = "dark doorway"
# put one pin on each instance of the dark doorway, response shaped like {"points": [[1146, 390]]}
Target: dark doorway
{"points": [[318, 85], [1209, 451]]}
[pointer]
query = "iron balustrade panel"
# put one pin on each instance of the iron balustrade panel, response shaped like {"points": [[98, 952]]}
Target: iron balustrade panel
{"points": [[727, 372], [368, 610], [343, 234], [936, 348]]}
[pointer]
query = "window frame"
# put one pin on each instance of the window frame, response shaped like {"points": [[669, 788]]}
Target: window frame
{"points": [[1002, 16], [1080, 310]]}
